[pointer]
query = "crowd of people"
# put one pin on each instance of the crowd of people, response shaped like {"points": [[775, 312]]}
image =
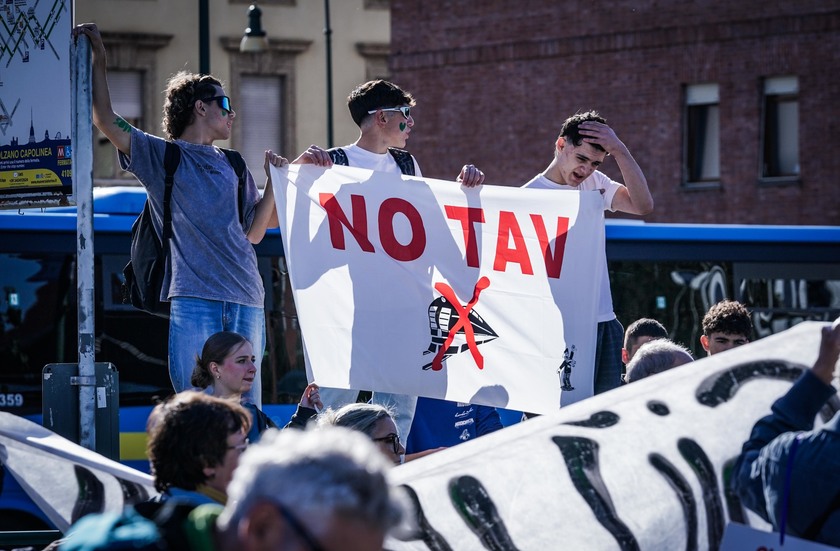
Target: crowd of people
{"points": [[324, 485]]}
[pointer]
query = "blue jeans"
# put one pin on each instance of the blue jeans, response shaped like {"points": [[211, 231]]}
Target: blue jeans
{"points": [[608, 356], [193, 320]]}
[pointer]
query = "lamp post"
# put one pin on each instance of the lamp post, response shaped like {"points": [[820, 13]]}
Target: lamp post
{"points": [[328, 44], [254, 39]]}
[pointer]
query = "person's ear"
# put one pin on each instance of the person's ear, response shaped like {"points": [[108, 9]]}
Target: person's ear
{"points": [[561, 142], [625, 356], [261, 528], [213, 368], [704, 341]]}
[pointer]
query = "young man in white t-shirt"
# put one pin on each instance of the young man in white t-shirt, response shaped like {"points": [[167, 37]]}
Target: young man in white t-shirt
{"points": [[583, 144], [382, 110]]}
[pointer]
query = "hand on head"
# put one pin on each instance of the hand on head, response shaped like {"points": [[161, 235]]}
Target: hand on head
{"points": [[599, 133]]}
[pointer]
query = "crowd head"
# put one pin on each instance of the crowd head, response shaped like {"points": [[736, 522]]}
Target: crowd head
{"points": [[321, 489], [374, 420], [195, 440], [657, 356], [726, 325]]}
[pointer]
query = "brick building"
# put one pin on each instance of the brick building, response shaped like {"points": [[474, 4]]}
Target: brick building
{"points": [[731, 108]]}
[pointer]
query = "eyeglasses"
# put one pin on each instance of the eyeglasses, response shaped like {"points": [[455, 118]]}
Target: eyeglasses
{"points": [[223, 101], [405, 110], [393, 439], [302, 531], [240, 447]]}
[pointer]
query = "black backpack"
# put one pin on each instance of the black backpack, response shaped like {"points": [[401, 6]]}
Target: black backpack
{"points": [[145, 271], [404, 159]]}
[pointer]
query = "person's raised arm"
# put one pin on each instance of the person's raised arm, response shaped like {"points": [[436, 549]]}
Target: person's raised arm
{"points": [[635, 197], [266, 215], [115, 128]]}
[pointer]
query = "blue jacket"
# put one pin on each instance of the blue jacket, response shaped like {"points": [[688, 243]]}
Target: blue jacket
{"points": [[760, 472], [443, 423]]}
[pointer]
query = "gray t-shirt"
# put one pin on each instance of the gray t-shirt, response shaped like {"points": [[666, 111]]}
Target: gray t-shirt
{"points": [[211, 258]]}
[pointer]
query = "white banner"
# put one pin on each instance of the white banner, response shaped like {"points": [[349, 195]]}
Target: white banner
{"points": [[385, 270], [65, 480], [640, 467]]}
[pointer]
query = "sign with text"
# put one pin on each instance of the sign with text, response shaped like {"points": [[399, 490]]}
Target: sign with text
{"points": [[420, 286], [35, 97]]}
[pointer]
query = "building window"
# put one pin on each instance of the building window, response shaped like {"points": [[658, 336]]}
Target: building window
{"points": [[376, 59], [260, 112], [265, 107], [126, 89], [780, 128], [702, 134]]}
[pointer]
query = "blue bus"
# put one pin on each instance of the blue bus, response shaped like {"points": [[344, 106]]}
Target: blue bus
{"points": [[670, 272]]}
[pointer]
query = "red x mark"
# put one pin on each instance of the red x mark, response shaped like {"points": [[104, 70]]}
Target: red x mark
{"points": [[462, 323]]}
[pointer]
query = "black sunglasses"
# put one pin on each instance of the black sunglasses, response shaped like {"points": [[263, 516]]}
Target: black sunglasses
{"points": [[393, 439], [302, 531], [223, 101]]}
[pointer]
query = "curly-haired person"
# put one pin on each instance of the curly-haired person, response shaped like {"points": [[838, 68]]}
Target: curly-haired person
{"points": [[194, 445], [212, 281], [726, 325]]}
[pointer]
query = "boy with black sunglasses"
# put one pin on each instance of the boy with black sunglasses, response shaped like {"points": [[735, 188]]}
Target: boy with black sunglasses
{"points": [[212, 281]]}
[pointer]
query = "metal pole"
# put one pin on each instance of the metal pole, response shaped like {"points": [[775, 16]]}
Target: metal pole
{"points": [[203, 37], [328, 35], [82, 140]]}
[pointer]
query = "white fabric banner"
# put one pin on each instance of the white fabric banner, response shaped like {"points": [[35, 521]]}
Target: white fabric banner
{"points": [[641, 467], [65, 480], [385, 269]]}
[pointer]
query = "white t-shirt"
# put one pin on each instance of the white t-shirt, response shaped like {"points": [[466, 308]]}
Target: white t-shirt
{"points": [[381, 162], [600, 182]]}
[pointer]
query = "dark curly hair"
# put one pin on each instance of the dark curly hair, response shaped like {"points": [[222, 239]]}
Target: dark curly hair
{"points": [[216, 348], [728, 317], [182, 91], [375, 94], [189, 432], [570, 130]]}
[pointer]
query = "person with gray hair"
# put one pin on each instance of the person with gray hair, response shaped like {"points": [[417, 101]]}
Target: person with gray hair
{"points": [[374, 420], [325, 488], [655, 357], [297, 490]]}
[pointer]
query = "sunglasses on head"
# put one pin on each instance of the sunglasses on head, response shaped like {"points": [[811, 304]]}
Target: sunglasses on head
{"points": [[223, 101], [405, 110]]}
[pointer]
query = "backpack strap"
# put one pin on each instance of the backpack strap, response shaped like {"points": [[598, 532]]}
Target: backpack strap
{"points": [[404, 160], [171, 160], [238, 164], [338, 156]]}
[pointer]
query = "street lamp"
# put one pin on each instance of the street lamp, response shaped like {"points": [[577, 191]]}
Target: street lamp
{"points": [[254, 40]]}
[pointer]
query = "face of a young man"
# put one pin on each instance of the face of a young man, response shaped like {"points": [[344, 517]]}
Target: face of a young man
{"points": [[577, 163], [219, 118], [397, 127], [720, 342]]}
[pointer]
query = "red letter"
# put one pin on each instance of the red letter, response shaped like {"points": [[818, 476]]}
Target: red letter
{"points": [[553, 262], [394, 248], [467, 216], [336, 218], [509, 227]]}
